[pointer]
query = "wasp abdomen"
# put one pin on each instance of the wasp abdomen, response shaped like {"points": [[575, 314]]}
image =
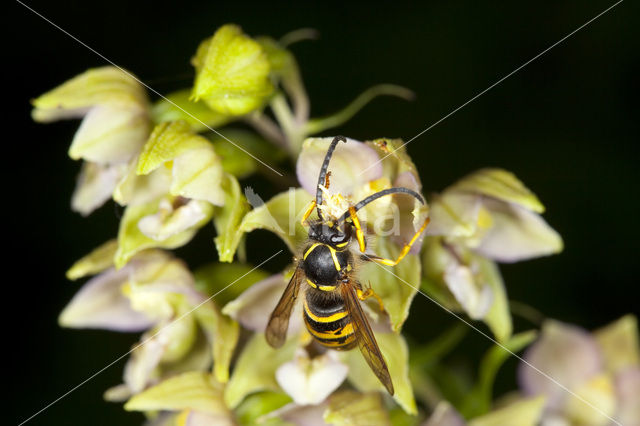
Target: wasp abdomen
{"points": [[322, 265], [328, 320]]}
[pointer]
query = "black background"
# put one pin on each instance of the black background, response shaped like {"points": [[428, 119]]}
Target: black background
{"points": [[566, 124]]}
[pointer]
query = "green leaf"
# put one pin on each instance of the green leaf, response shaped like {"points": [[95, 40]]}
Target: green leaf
{"points": [[257, 405], [251, 376], [280, 215], [131, 240], [352, 408], [177, 106], [232, 72], [213, 277], [499, 317], [189, 391], [227, 219], [525, 412], [478, 401], [98, 260], [395, 352], [499, 184], [197, 170], [223, 332], [396, 285]]}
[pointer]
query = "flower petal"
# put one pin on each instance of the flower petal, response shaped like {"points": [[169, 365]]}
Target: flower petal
{"points": [[517, 234], [627, 385], [280, 215], [95, 184], [501, 185], [98, 260], [454, 215], [353, 164], [396, 353], [100, 303], [619, 343], [444, 415], [311, 381], [105, 85], [250, 376], [168, 221], [568, 354], [194, 391], [475, 298], [177, 106], [255, 305], [599, 392], [139, 189], [110, 134], [499, 316], [353, 408], [524, 412], [232, 72], [228, 218]]}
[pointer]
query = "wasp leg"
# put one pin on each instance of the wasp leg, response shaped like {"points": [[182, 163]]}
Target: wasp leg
{"points": [[364, 295], [405, 249], [307, 213], [359, 233]]}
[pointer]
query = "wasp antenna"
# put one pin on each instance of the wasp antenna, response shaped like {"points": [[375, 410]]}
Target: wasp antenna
{"points": [[323, 170], [379, 194]]}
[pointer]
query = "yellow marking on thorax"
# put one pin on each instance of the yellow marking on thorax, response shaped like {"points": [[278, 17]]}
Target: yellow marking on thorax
{"points": [[331, 318], [321, 287], [335, 258], [313, 246], [346, 331], [311, 283]]}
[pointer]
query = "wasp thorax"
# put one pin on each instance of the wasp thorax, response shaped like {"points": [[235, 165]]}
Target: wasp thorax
{"points": [[330, 234], [324, 265]]}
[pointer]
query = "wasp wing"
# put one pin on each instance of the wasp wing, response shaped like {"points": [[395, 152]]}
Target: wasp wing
{"points": [[276, 332], [364, 336]]}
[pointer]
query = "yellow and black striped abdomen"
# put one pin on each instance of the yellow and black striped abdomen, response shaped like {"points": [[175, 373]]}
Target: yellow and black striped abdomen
{"points": [[327, 319]]}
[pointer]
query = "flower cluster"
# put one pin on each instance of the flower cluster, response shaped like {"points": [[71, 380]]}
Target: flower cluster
{"points": [[202, 356]]}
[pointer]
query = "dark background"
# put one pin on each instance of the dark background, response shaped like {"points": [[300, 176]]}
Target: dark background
{"points": [[567, 125]]}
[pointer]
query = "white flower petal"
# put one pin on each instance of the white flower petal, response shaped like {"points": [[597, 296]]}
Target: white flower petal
{"points": [[169, 221], [299, 415], [95, 184], [197, 418], [627, 385], [454, 215], [598, 391], [311, 381], [254, 306], [444, 415], [110, 134], [353, 164], [567, 353], [101, 304], [517, 234], [475, 298], [140, 367]]}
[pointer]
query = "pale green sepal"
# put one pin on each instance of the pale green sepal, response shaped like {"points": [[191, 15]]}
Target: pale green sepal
{"points": [[353, 408], [131, 240], [525, 412], [94, 186], [499, 184], [232, 72], [499, 317], [478, 401], [168, 141], [105, 85], [251, 376], [619, 343], [213, 277], [396, 354], [396, 285], [280, 215], [140, 189], [189, 391], [177, 106], [254, 407], [227, 219], [98, 260], [197, 170], [223, 332], [317, 125]]}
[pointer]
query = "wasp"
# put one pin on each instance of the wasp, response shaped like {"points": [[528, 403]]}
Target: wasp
{"points": [[327, 275]]}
